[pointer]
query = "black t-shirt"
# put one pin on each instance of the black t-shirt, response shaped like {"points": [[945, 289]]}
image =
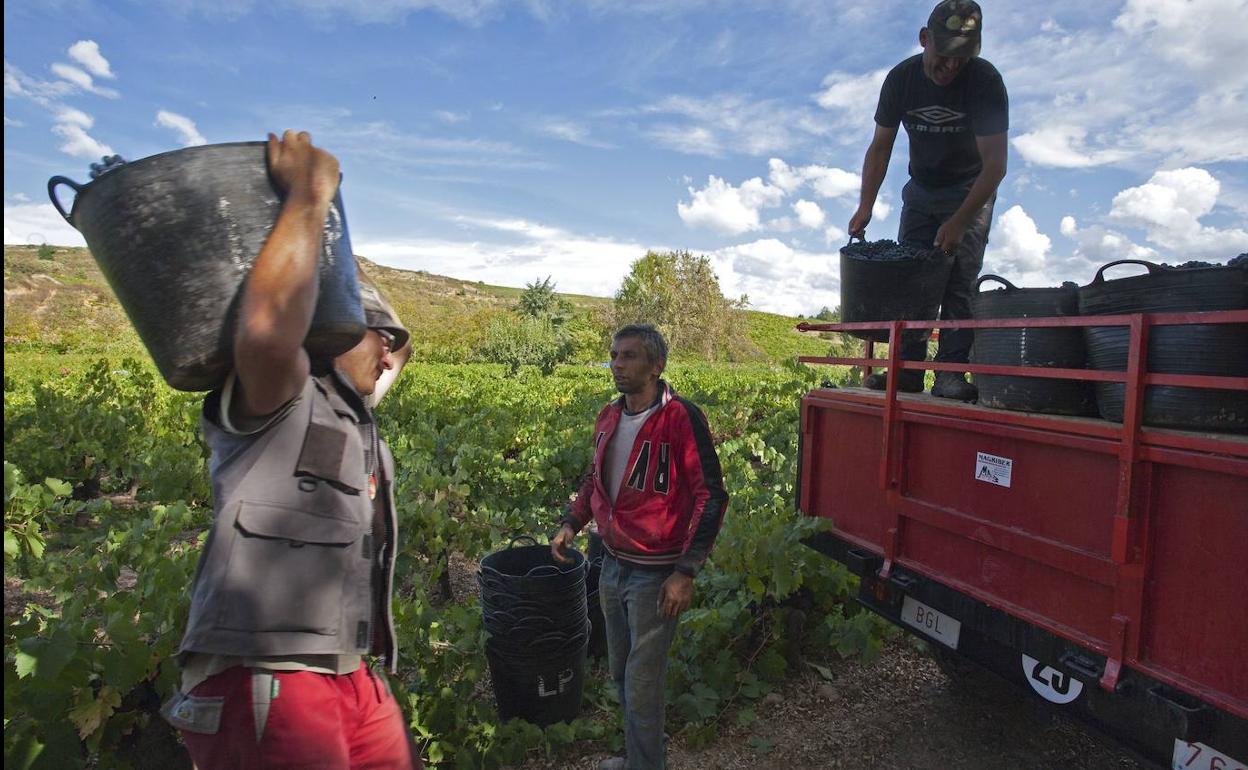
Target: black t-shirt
{"points": [[942, 123]]}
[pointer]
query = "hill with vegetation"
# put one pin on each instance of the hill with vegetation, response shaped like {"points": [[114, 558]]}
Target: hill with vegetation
{"points": [[57, 300]]}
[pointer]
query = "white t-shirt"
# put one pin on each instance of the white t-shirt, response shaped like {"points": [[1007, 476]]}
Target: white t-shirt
{"points": [[615, 464]]}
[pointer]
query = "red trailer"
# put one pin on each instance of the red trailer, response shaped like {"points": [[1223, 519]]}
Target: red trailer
{"points": [[1104, 565]]}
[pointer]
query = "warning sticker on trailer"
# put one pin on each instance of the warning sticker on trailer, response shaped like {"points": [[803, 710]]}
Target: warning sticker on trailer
{"points": [[992, 469]]}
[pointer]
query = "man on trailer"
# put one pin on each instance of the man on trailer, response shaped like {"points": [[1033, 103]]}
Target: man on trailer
{"points": [[956, 113], [293, 587], [656, 492]]}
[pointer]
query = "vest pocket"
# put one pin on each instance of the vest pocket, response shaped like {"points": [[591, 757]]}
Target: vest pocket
{"points": [[332, 449], [287, 569]]}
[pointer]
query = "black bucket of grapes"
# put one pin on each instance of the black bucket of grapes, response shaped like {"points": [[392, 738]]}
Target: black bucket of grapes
{"points": [[888, 281]]}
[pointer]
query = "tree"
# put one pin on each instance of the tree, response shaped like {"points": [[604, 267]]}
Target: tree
{"points": [[540, 301], [46, 251], [679, 293]]}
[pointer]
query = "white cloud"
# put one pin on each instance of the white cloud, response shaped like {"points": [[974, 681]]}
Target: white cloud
{"points": [[470, 12], [833, 182], [1153, 88], [81, 80], [18, 84], [781, 225], [184, 126], [446, 116], [73, 75], [87, 53], [834, 234], [1169, 208], [1017, 247], [381, 142], [38, 223], [74, 117], [10, 122], [809, 214], [691, 140], [728, 209], [1189, 32], [717, 124], [777, 277], [581, 264], [1063, 147], [849, 92], [826, 182], [784, 176], [513, 225], [569, 131], [78, 143], [848, 101], [1095, 245]]}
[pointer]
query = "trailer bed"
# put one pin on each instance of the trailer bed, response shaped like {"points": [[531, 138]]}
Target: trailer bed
{"points": [[1022, 517]]}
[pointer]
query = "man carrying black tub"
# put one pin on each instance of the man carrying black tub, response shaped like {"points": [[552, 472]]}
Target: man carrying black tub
{"points": [[292, 591], [956, 113]]}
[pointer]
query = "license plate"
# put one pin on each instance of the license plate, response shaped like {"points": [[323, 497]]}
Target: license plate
{"points": [[935, 624], [1198, 756]]}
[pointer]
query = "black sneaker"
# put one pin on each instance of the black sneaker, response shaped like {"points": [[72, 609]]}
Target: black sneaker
{"points": [[954, 385], [910, 382]]}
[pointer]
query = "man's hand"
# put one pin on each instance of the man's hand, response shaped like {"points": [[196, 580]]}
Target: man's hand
{"points": [[560, 543], [949, 236], [675, 595], [858, 222], [302, 171]]}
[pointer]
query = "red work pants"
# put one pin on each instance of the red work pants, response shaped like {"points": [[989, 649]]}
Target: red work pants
{"points": [[314, 721]]}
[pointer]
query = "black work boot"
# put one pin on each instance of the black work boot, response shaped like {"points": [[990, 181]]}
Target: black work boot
{"points": [[954, 385], [910, 382]]}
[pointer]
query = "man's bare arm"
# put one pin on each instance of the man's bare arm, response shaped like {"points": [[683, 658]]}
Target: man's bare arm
{"points": [[280, 294], [874, 167]]}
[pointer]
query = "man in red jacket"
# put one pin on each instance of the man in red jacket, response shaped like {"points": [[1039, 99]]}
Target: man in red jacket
{"points": [[657, 495]]}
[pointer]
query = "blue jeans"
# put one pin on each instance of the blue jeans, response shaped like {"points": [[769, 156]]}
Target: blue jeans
{"points": [[638, 638]]}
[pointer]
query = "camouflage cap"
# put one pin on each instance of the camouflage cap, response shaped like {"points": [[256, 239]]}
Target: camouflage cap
{"points": [[955, 27], [378, 314]]}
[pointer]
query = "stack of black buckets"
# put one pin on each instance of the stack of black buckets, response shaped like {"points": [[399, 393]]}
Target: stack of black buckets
{"points": [[1195, 349], [535, 613], [598, 625]]}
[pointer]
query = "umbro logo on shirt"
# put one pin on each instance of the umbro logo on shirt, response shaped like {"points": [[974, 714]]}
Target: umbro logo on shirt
{"points": [[936, 114]]}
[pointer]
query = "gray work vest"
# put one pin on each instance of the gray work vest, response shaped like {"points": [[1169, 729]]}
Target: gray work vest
{"points": [[289, 564]]}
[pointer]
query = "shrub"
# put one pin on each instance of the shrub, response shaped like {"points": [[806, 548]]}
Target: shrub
{"points": [[517, 342]]}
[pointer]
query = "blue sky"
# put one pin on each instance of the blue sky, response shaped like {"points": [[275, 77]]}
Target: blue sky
{"points": [[506, 141]]}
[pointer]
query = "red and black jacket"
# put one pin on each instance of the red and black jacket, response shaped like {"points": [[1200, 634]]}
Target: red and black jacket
{"points": [[671, 503]]}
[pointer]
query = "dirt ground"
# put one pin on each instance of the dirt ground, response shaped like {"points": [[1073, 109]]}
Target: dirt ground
{"points": [[900, 711]]}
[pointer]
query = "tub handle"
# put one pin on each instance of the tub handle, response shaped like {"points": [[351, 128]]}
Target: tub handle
{"points": [[1152, 267], [520, 538], [55, 182], [1009, 286]]}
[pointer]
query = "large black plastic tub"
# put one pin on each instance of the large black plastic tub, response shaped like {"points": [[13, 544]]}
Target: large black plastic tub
{"points": [[176, 234], [1202, 349], [907, 287], [1051, 347]]}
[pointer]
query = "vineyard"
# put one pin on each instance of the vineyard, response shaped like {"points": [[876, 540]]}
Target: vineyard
{"points": [[106, 502]]}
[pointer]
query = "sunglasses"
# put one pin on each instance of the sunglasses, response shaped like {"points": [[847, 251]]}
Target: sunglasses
{"points": [[387, 339]]}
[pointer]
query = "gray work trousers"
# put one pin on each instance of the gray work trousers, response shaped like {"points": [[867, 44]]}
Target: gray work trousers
{"points": [[923, 211]]}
